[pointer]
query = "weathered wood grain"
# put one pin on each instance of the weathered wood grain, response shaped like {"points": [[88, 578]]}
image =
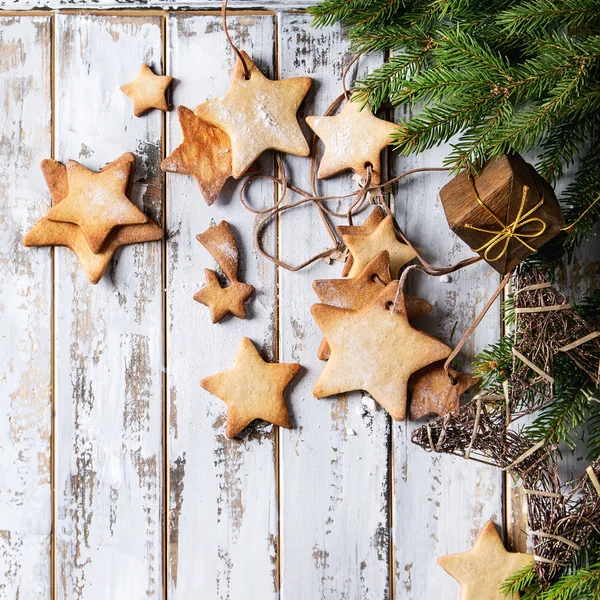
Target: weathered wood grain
{"points": [[109, 337], [223, 493], [440, 502], [25, 311], [334, 463], [154, 4]]}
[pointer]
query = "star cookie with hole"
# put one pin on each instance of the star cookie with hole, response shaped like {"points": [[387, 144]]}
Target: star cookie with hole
{"points": [[148, 91], [375, 350], [361, 290], [252, 389], [220, 241], [258, 114], [205, 153], [54, 233], [354, 139], [434, 392], [364, 246], [97, 201], [482, 570]]}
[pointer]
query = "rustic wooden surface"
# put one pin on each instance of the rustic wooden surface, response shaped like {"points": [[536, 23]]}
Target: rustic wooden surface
{"points": [[150, 499]]}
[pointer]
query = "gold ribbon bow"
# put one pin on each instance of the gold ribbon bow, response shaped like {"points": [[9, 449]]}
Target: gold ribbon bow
{"points": [[509, 232]]}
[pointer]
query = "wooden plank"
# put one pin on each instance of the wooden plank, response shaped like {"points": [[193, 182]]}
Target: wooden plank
{"points": [[251, 5], [440, 502], [334, 463], [25, 311], [223, 493], [109, 337]]}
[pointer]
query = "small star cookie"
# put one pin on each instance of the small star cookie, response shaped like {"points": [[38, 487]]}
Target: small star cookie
{"points": [[258, 114], [374, 350], [434, 392], [353, 140], [52, 233], [482, 570], [375, 217], [148, 91], [364, 247], [223, 301], [205, 153], [252, 389], [98, 202], [220, 241]]}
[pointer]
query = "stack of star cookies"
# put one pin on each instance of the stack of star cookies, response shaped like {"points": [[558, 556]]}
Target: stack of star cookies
{"points": [[223, 137], [370, 343], [91, 213]]}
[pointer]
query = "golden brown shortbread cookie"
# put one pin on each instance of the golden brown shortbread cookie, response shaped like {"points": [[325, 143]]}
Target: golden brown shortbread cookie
{"points": [[482, 570], [375, 217], [258, 114], [220, 241], [364, 247], [98, 202], [374, 350], [54, 233], [205, 153], [353, 139], [252, 389], [147, 91], [223, 301], [359, 291], [434, 392]]}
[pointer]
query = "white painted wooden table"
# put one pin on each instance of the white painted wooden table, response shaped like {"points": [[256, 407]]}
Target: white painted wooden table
{"points": [[116, 479]]}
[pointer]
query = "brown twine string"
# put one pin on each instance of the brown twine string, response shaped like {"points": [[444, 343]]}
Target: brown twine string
{"points": [[233, 46], [476, 322]]}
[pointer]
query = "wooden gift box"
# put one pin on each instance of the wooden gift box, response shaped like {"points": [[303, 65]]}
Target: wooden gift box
{"points": [[500, 188]]}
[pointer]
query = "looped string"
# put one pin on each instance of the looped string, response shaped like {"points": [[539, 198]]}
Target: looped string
{"points": [[233, 46], [508, 231]]}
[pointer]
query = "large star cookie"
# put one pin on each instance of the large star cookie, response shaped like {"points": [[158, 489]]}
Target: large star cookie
{"points": [[52, 233], [433, 391], [205, 153], [98, 202], [252, 389], [357, 292], [482, 570], [258, 114], [353, 140], [148, 91], [374, 350], [363, 247]]}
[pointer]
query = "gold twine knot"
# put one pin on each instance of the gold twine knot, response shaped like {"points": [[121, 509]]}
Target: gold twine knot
{"points": [[510, 231]]}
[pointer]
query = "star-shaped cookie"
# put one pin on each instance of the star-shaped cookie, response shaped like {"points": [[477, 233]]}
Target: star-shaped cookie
{"points": [[353, 139], [223, 301], [364, 247], [252, 389], [52, 233], [148, 91], [361, 290], [482, 570], [375, 217], [205, 153], [98, 202], [374, 350], [220, 241], [434, 392], [258, 114]]}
